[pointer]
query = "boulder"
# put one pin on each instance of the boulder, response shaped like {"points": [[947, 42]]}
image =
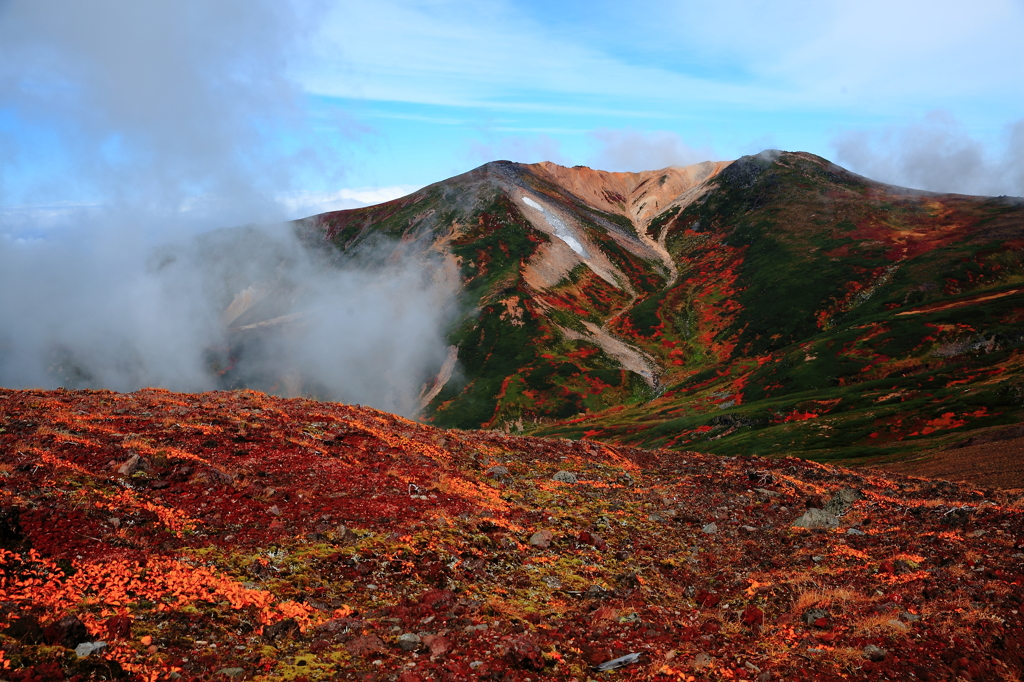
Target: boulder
{"points": [[564, 477], [816, 519]]}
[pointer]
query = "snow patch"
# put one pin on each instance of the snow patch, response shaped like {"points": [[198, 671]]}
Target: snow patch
{"points": [[561, 230]]}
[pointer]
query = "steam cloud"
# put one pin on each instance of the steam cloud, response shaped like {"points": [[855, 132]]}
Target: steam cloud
{"points": [[937, 154], [633, 151], [127, 132]]}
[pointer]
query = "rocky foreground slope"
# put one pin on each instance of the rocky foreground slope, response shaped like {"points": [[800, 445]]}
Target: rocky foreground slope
{"points": [[237, 536]]}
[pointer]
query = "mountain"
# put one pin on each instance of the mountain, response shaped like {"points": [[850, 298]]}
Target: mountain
{"points": [[774, 305], [234, 535]]}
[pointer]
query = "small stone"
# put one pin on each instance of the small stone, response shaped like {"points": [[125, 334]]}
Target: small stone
{"points": [[816, 617], [409, 641], [498, 471], [702, 660], [130, 466], [476, 664], [710, 529], [564, 477], [231, 672], [542, 539], [438, 644], [274, 511], [854, 531], [816, 519], [88, 648], [842, 501], [874, 653], [593, 539], [365, 644], [552, 582]]}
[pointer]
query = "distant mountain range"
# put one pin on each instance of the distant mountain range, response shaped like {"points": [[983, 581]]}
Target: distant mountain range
{"points": [[777, 304]]}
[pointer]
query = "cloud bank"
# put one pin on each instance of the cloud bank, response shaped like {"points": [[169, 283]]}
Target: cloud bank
{"points": [[937, 154], [128, 131]]}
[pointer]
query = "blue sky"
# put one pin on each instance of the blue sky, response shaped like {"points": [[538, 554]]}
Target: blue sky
{"points": [[440, 87], [326, 104]]}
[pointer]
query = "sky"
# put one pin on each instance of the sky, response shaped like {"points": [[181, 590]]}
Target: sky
{"points": [[128, 129], [308, 105]]}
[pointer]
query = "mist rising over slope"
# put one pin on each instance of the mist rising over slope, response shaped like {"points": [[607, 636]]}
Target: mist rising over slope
{"points": [[159, 123]]}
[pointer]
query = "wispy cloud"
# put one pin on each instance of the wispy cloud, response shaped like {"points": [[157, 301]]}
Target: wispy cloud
{"points": [[759, 55], [634, 151], [937, 154]]}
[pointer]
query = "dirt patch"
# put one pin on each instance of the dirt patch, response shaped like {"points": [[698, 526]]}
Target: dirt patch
{"points": [[630, 358]]}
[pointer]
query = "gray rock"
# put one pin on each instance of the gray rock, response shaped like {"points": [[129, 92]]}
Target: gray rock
{"points": [[231, 672], [710, 529], [409, 641], [552, 582], [476, 664], [564, 477], [842, 501], [130, 466], [702, 660], [816, 519], [874, 653], [88, 648], [498, 471], [812, 616], [274, 511], [542, 539], [854, 531], [620, 662]]}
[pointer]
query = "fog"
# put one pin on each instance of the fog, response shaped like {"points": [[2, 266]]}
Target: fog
{"points": [[129, 133], [937, 154]]}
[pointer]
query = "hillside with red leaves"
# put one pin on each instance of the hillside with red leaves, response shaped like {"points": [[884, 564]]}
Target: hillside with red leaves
{"points": [[233, 535], [777, 305]]}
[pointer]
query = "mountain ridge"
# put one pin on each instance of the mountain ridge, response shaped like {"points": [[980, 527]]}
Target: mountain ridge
{"points": [[741, 266]]}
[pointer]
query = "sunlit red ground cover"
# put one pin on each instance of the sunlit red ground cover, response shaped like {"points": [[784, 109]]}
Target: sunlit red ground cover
{"points": [[235, 535]]}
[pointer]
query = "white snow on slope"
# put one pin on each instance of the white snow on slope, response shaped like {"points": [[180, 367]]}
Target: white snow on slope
{"points": [[561, 231]]}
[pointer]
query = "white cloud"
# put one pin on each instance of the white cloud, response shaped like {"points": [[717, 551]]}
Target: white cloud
{"points": [[634, 151], [304, 204], [937, 154], [872, 55], [480, 54]]}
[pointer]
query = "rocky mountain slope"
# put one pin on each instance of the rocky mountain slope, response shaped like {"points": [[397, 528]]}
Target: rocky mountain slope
{"points": [[775, 305], [233, 535]]}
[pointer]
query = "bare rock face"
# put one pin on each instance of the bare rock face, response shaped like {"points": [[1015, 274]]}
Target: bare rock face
{"points": [[816, 519]]}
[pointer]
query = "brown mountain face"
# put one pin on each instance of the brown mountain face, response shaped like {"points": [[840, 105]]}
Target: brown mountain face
{"points": [[778, 304]]}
